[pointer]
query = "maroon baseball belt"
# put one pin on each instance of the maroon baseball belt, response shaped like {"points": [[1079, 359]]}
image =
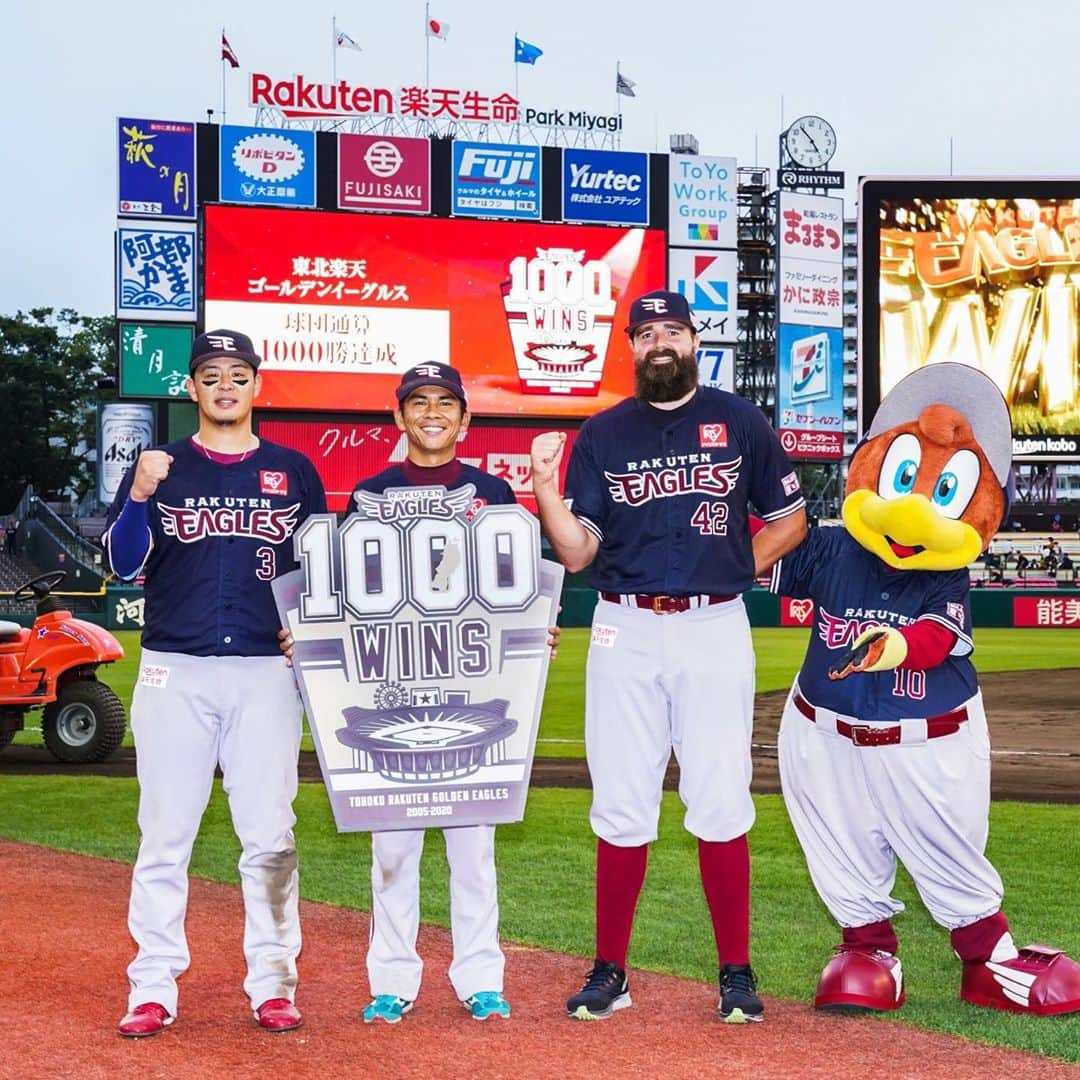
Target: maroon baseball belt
{"points": [[868, 735], [665, 605]]}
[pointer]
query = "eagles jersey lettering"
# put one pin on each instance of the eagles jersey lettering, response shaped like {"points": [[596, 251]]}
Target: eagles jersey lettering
{"points": [[667, 493], [220, 533], [490, 490], [853, 589]]}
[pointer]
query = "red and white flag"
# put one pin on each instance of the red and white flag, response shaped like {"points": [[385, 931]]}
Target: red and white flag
{"points": [[227, 53], [438, 29]]}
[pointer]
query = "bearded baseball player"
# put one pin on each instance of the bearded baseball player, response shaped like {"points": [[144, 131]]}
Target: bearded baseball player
{"points": [[657, 500], [884, 751], [209, 522]]}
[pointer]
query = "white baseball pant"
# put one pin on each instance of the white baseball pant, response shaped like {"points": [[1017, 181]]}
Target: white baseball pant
{"points": [[657, 683], [188, 715], [856, 810], [394, 966]]}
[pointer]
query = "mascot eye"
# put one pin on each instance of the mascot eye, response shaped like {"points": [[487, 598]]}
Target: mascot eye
{"points": [[955, 486], [900, 467]]}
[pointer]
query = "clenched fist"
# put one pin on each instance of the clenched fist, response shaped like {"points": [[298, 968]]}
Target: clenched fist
{"points": [[152, 468], [547, 453]]}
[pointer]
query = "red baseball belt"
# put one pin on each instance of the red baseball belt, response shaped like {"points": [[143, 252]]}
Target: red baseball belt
{"points": [[665, 605], [868, 735]]}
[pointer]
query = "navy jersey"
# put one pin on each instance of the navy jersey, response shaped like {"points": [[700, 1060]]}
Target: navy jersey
{"points": [[853, 589], [667, 492], [454, 474], [220, 533]]}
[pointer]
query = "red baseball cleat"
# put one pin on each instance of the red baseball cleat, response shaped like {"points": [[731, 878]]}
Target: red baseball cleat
{"points": [[1040, 980], [150, 1018], [861, 980], [278, 1014]]}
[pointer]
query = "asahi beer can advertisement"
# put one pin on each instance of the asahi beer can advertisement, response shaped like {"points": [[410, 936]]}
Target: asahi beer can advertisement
{"points": [[124, 432]]}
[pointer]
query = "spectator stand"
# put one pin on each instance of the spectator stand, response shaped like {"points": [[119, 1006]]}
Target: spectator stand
{"points": [[1030, 560]]}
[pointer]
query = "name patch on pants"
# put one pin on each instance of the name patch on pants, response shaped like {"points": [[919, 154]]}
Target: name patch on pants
{"points": [[154, 675], [604, 636]]}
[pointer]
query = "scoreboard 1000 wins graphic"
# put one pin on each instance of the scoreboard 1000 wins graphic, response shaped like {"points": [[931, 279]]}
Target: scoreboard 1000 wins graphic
{"points": [[420, 629]]}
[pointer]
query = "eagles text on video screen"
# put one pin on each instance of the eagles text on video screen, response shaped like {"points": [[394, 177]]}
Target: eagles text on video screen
{"points": [[983, 272]]}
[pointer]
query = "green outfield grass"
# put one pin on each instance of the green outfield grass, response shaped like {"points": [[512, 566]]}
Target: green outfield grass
{"points": [[779, 654], [546, 891]]}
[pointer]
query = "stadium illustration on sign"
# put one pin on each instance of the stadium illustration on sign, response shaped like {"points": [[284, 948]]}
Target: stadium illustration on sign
{"points": [[428, 740]]}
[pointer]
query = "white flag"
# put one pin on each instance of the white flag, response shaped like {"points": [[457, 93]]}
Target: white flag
{"points": [[438, 29], [343, 41]]}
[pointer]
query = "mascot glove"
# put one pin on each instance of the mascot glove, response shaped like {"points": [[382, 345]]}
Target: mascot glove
{"points": [[878, 648]]}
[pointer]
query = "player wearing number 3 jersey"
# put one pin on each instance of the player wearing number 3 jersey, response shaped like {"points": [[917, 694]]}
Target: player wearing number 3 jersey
{"points": [[209, 521], [657, 495]]}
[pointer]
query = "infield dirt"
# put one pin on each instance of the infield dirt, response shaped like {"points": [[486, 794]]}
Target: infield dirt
{"points": [[64, 989]]}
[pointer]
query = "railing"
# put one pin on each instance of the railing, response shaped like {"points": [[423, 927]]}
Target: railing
{"points": [[70, 542]]}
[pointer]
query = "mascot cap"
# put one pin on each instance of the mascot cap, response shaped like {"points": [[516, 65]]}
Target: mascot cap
{"points": [[968, 391]]}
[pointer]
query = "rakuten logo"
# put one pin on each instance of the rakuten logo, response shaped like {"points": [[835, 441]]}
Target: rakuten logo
{"points": [[585, 178]]}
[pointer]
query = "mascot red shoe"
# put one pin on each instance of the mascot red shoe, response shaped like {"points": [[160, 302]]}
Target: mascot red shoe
{"points": [[884, 751]]}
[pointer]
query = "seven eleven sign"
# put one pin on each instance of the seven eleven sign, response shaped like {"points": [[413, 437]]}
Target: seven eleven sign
{"points": [[706, 280]]}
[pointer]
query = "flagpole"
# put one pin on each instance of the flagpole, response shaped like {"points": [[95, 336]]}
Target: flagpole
{"points": [[427, 57], [517, 93], [333, 50], [223, 63], [618, 109]]}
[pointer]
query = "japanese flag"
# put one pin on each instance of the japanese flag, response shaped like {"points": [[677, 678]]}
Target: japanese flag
{"points": [[438, 29]]}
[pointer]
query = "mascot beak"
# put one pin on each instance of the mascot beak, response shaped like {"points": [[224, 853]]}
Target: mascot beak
{"points": [[907, 532]]}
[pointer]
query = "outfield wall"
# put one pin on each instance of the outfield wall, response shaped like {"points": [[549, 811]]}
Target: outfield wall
{"points": [[1058, 607], [122, 608]]}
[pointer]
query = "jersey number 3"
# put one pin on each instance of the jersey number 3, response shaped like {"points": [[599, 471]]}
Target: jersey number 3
{"points": [[710, 518], [265, 571]]}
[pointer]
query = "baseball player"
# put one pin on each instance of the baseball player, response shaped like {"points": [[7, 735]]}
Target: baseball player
{"points": [[657, 498], [209, 521], [433, 413], [883, 749]]}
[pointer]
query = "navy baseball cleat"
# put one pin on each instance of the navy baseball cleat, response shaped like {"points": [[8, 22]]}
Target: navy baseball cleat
{"points": [[739, 1003], [606, 990]]}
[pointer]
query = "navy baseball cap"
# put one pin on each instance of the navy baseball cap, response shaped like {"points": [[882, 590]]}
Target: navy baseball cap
{"points": [[431, 375], [227, 344], [660, 306]]}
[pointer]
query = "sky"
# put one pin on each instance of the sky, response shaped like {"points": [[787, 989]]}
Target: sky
{"points": [[907, 86]]}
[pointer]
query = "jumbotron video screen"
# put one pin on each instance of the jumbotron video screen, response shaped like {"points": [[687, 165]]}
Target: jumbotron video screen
{"points": [[978, 272]]}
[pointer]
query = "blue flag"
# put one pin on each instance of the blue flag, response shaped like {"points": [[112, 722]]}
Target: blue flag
{"points": [[524, 53]]}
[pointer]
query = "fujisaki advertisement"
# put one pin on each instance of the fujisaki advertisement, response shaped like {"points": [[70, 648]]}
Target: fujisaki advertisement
{"points": [[533, 315]]}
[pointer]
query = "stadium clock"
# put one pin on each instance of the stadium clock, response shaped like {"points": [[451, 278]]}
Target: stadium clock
{"points": [[810, 142]]}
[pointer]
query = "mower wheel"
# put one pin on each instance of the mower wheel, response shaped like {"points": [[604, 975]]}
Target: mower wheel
{"points": [[84, 724]]}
